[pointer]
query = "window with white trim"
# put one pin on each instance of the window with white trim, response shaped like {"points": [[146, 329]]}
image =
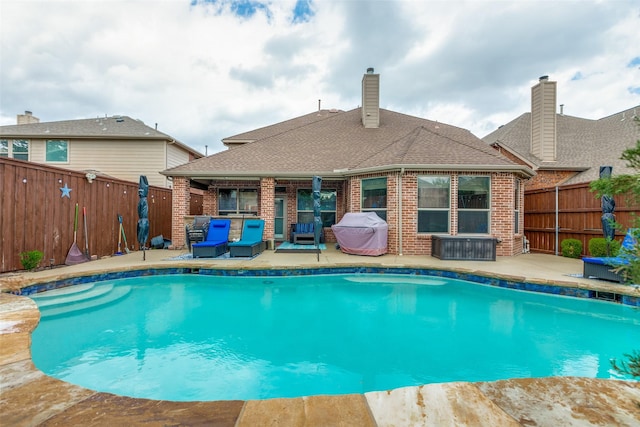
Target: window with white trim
{"points": [[374, 196], [57, 151], [434, 204], [15, 148], [328, 205], [474, 204], [237, 201]]}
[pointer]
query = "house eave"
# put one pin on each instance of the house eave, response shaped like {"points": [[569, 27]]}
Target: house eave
{"points": [[344, 173]]}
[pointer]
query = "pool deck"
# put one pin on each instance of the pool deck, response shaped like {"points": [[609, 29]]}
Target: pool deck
{"points": [[28, 397]]}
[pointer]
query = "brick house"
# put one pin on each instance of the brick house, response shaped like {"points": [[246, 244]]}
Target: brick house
{"points": [[563, 149], [423, 177]]}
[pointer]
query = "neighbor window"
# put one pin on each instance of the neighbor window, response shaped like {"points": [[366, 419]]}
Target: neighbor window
{"points": [[433, 204], [57, 151], [327, 206], [237, 201], [473, 204], [16, 148], [516, 207], [374, 196]]}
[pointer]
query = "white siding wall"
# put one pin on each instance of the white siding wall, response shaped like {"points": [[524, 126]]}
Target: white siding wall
{"points": [[123, 159], [176, 156]]}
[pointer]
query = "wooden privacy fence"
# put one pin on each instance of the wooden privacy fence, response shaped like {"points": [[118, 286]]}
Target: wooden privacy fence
{"points": [[579, 216], [34, 215]]}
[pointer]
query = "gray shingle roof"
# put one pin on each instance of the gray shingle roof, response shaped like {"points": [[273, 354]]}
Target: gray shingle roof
{"points": [[582, 144], [115, 127], [338, 144]]}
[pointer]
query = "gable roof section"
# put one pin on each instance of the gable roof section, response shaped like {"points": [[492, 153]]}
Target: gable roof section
{"points": [[115, 127], [279, 128], [339, 145], [582, 144]]}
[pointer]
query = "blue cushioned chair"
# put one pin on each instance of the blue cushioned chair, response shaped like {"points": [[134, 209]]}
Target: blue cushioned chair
{"points": [[602, 267], [216, 242], [302, 233], [250, 242]]}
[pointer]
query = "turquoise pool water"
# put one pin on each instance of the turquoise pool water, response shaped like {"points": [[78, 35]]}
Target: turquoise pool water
{"points": [[193, 337]]}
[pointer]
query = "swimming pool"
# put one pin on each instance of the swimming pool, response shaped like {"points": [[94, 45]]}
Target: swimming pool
{"points": [[194, 337]]}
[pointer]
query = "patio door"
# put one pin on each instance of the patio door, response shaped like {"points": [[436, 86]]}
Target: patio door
{"points": [[280, 218]]}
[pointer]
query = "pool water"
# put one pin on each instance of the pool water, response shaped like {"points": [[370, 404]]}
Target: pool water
{"points": [[193, 337]]}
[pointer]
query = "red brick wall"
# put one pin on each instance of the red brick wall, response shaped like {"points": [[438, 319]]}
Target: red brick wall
{"points": [[546, 179], [267, 206], [180, 209]]}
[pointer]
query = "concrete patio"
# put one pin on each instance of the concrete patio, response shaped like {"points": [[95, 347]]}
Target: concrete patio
{"points": [[28, 397]]}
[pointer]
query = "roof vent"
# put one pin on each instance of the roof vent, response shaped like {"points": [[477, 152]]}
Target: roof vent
{"points": [[370, 70]]}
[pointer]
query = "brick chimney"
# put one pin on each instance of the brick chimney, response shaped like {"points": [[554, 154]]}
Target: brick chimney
{"points": [[27, 118], [371, 99], [543, 120]]}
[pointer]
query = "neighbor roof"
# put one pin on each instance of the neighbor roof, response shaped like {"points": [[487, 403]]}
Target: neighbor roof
{"points": [[115, 127], [339, 145], [581, 144]]}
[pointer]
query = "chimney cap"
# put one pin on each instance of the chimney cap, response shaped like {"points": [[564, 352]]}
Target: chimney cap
{"points": [[544, 78], [370, 70]]}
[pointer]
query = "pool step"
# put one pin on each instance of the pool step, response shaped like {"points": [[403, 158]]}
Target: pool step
{"points": [[81, 300], [71, 295]]}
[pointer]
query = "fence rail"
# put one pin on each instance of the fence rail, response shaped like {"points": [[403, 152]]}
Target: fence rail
{"points": [[579, 216], [34, 215]]}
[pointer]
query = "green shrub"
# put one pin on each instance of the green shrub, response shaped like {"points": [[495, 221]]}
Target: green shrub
{"points": [[598, 247], [571, 248], [30, 259]]}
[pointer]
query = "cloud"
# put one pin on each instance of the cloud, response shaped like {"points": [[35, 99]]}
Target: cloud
{"points": [[205, 70]]}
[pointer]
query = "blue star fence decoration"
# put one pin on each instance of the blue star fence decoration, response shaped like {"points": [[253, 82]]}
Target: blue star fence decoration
{"points": [[65, 191]]}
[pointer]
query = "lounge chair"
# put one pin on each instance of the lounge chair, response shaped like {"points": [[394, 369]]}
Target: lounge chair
{"points": [[250, 243], [216, 241], [197, 231], [602, 267], [302, 233]]}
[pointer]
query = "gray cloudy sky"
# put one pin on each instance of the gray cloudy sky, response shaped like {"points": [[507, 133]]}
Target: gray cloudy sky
{"points": [[205, 70]]}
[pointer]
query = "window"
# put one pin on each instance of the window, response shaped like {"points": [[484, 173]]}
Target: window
{"points": [[237, 201], [433, 204], [327, 206], [374, 196], [57, 151], [473, 204], [516, 207], [17, 148]]}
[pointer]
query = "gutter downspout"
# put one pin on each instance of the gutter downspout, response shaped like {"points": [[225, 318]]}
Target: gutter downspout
{"points": [[557, 225], [399, 192]]}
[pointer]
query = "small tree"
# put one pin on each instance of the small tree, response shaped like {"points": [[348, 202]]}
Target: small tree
{"points": [[628, 185]]}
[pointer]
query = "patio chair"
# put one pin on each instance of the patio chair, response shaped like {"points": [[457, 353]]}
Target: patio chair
{"points": [[250, 243], [216, 241], [602, 267], [302, 233], [197, 231]]}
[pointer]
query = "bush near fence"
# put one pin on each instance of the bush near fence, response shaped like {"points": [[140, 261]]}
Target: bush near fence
{"points": [[35, 216]]}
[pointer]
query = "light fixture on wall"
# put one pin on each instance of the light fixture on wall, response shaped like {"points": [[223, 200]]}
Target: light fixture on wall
{"points": [[24, 180]]}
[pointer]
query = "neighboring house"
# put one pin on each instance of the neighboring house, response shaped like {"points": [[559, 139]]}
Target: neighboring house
{"points": [[563, 149], [117, 146], [423, 177]]}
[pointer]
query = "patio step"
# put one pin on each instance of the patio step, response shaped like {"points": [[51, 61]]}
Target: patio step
{"points": [[89, 297]]}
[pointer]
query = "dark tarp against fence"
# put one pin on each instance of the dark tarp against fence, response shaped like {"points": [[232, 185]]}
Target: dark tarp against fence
{"points": [[35, 216], [579, 216]]}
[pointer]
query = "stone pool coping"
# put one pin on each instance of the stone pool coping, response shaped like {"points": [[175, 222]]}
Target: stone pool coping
{"points": [[29, 397]]}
